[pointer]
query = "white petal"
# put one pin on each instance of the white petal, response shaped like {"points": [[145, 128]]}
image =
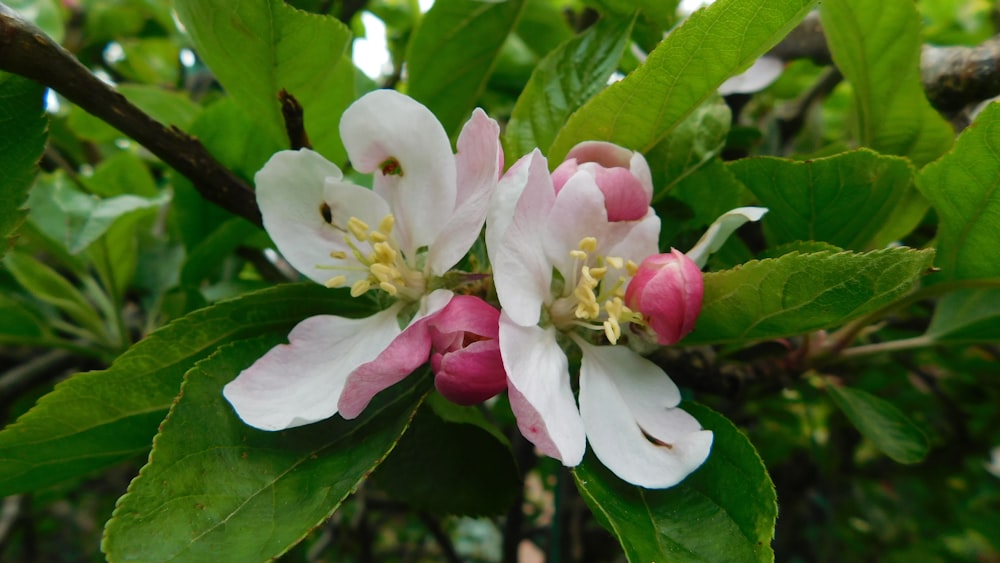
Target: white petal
{"points": [[478, 167], [384, 125], [719, 231], [540, 392], [291, 193], [522, 274], [300, 382], [612, 427]]}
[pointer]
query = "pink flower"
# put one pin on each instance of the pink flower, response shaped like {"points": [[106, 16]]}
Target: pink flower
{"points": [[667, 290], [466, 351]]}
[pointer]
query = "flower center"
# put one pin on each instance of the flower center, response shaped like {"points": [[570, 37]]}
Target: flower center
{"points": [[594, 303], [377, 252]]}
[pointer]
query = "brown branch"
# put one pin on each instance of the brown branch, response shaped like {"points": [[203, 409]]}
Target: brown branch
{"points": [[294, 117], [952, 77], [27, 51]]}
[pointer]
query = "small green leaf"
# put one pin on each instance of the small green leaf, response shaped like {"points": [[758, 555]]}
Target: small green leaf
{"points": [[967, 315], [724, 511], [452, 54], [877, 48], [76, 219], [799, 293], [50, 286], [205, 258], [258, 48], [166, 106], [119, 174], [214, 485], [691, 145], [451, 467], [681, 73], [882, 423], [843, 200], [565, 79], [96, 419], [697, 200], [964, 189], [23, 123]]}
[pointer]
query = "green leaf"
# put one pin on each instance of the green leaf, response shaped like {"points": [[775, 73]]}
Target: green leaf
{"points": [[452, 54], [96, 419], [43, 13], [724, 511], [442, 464], [799, 293], [50, 286], [23, 123], [214, 485], [565, 79], [697, 200], [691, 145], [205, 258], [965, 316], [76, 219], [843, 200], [882, 423], [121, 173], [258, 48], [876, 46], [681, 73], [964, 189], [165, 106]]}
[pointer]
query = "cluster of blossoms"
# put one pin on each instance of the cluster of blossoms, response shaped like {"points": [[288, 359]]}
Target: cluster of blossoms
{"points": [[575, 265]]}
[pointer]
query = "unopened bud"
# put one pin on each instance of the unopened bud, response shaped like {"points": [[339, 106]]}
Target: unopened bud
{"points": [[622, 175], [465, 351], [667, 291]]}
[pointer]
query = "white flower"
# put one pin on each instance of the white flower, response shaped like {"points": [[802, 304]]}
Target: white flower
{"points": [[425, 211], [561, 266]]}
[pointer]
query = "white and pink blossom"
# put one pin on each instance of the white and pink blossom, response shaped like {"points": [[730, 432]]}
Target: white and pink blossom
{"points": [[396, 240]]}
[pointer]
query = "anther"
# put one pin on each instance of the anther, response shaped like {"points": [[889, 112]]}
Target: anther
{"points": [[387, 223], [389, 288], [358, 228], [338, 254], [360, 287], [588, 244], [336, 281]]}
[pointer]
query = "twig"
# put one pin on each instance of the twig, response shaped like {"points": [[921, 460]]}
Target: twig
{"points": [[293, 115], [443, 541], [27, 51], [952, 77]]}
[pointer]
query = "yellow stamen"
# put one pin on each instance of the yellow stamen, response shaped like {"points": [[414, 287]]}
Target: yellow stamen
{"points": [[338, 255], [615, 262], [389, 288], [358, 228], [588, 244], [360, 287], [386, 224], [336, 281]]}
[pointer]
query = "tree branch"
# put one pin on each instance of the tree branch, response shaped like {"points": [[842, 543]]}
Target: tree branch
{"points": [[953, 77], [27, 51]]}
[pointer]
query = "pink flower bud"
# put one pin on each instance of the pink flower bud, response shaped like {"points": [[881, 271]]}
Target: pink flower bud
{"points": [[465, 352], [622, 175], [667, 291]]}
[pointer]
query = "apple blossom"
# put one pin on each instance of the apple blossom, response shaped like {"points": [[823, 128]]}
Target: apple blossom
{"points": [[397, 240], [563, 248]]}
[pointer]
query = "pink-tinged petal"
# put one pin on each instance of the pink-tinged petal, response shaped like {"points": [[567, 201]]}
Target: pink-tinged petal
{"points": [[407, 149], [604, 153], [398, 359], [300, 382], [471, 374], [540, 392], [466, 313], [522, 274], [719, 231], [479, 162], [640, 169], [611, 379], [294, 203], [579, 212], [625, 197]]}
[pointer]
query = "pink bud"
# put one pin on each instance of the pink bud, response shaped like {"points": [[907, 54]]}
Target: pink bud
{"points": [[622, 175], [465, 352], [667, 291]]}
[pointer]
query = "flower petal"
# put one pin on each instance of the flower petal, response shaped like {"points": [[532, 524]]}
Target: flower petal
{"points": [[471, 374], [522, 273], [401, 141], [479, 162], [398, 359], [620, 394], [719, 231], [300, 382], [539, 391], [292, 195]]}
